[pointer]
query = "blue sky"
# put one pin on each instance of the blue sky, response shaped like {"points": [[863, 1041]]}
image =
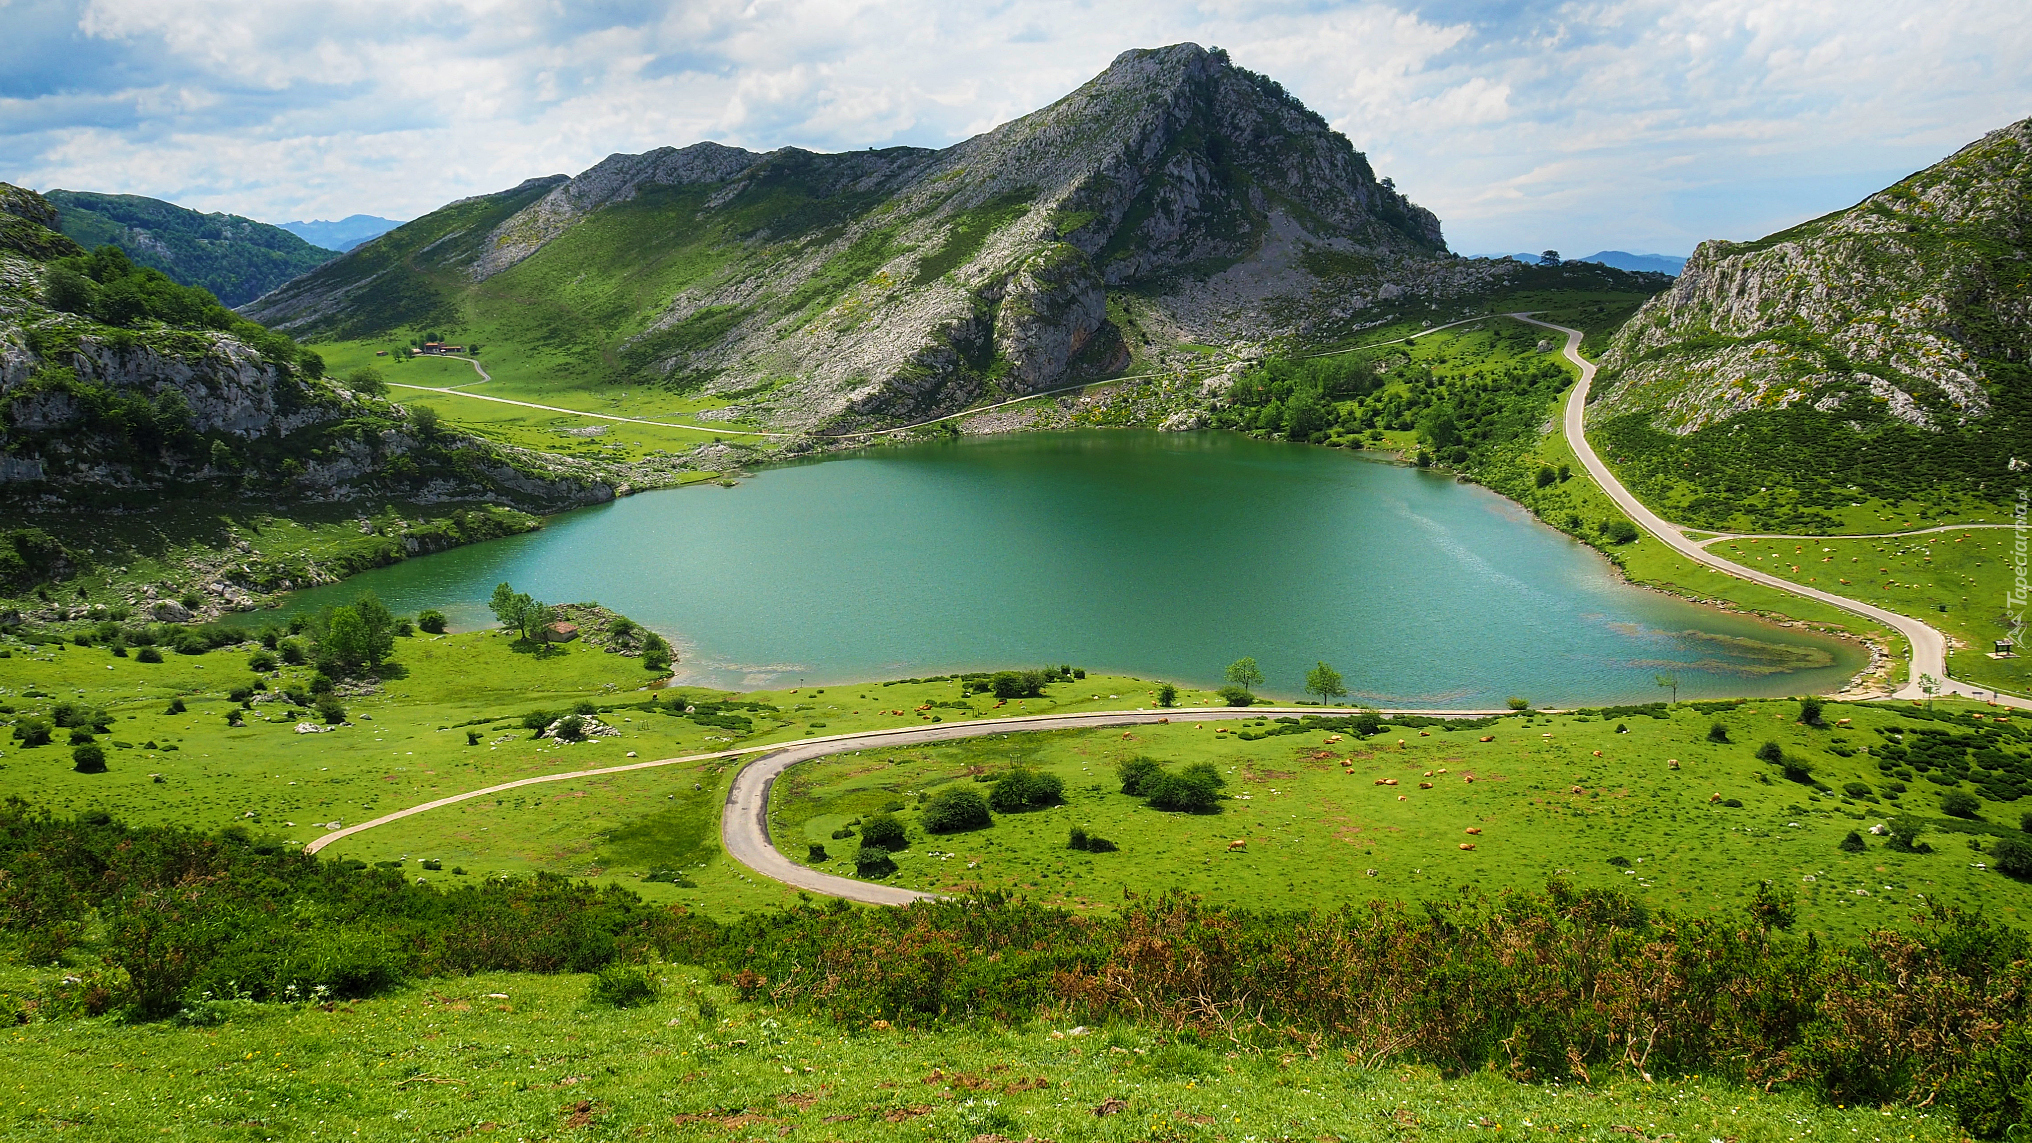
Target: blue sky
{"points": [[1575, 125]]}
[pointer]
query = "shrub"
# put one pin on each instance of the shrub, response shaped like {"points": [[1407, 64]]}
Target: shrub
{"points": [[1905, 830], [1809, 710], [1733, 803], [1960, 804], [1853, 843], [873, 861], [884, 830], [623, 986], [33, 732], [431, 621], [89, 758], [1237, 696], [148, 655], [261, 661], [331, 710], [1195, 788], [80, 736], [817, 853], [1136, 773], [1773, 907], [291, 652], [2012, 856], [1517, 702], [1718, 733], [1771, 752], [1021, 788], [1018, 684], [956, 808], [1620, 862], [472, 738], [2025, 821], [1858, 790], [1619, 531], [321, 684], [571, 728], [1167, 695]]}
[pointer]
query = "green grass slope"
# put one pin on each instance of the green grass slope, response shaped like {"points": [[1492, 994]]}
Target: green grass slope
{"points": [[237, 259]]}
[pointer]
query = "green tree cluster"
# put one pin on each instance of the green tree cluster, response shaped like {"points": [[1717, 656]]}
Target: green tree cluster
{"points": [[1192, 788]]}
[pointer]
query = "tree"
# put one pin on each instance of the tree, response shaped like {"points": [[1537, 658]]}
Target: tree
{"points": [[1136, 773], [431, 621], [367, 379], [1771, 752], [1619, 531], [1668, 679], [1809, 710], [655, 653], [380, 624], [1905, 830], [1517, 702], [1547, 475], [1929, 686], [1773, 907], [426, 421], [507, 605], [89, 758], [1718, 733], [1549, 258], [1853, 843], [65, 289], [1021, 788], [1244, 673], [1325, 682], [1960, 804], [345, 645], [955, 808], [536, 621], [1167, 695]]}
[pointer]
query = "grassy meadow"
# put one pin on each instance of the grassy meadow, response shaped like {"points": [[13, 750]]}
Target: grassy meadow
{"points": [[1550, 793], [506, 1056]]}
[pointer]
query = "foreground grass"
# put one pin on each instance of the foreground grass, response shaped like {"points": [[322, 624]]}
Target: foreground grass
{"points": [[527, 1057]]}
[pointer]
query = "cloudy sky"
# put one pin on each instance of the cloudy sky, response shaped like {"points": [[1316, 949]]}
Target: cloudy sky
{"points": [[1628, 124]]}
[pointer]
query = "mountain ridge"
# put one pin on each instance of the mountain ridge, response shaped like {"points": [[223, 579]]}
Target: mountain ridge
{"points": [[865, 287], [237, 259], [342, 235]]}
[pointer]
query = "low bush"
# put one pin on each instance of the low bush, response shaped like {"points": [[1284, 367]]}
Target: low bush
{"points": [[431, 621], [1021, 788], [623, 986], [884, 830], [89, 758], [873, 861], [1237, 696], [955, 808], [1853, 843], [1809, 711], [1771, 752], [331, 710], [33, 731], [1718, 733], [2012, 856], [1194, 788], [1960, 804], [263, 661]]}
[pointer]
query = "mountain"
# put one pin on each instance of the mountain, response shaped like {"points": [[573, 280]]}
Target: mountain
{"points": [[344, 234], [1879, 351], [1623, 260], [237, 259], [1174, 198], [119, 386]]}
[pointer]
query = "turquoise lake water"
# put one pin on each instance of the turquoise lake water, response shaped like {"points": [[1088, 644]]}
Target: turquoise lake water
{"points": [[1162, 555]]}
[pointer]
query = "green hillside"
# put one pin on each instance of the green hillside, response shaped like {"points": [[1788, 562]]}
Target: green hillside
{"points": [[1874, 359], [237, 259]]}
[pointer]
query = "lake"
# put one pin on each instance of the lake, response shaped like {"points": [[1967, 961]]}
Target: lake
{"points": [[1164, 555]]}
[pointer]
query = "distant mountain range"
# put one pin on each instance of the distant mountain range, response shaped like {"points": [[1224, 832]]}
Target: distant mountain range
{"points": [[237, 259], [344, 234], [1621, 260]]}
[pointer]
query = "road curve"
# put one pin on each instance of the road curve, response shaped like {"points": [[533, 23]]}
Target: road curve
{"points": [[1929, 647], [744, 827]]}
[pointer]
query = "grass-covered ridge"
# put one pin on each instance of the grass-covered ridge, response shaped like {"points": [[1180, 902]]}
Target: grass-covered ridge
{"points": [[237, 259]]}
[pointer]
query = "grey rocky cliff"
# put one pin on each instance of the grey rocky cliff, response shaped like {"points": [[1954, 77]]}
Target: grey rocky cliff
{"points": [[1901, 304]]}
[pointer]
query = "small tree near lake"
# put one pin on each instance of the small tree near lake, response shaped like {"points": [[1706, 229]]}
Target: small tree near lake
{"points": [[1325, 682], [1244, 673]]}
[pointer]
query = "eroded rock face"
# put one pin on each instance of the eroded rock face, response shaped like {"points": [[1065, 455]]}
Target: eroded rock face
{"points": [[1054, 303], [1904, 304]]}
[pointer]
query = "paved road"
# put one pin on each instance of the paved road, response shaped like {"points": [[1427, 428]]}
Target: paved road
{"points": [[744, 828], [1929, 647], [1847, 535]]}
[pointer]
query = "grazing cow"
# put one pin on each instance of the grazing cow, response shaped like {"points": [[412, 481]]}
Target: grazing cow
{"points": [[1474, 829], [1598, 754], [1672, 763], [1467, 845], [1578, 790], [1389, 781], [1488, 738], [1425, 785], [1237, 845], [1713, 798]]}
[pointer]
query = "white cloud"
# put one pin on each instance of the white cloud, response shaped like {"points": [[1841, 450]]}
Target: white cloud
{"points": [[1636, 123]]}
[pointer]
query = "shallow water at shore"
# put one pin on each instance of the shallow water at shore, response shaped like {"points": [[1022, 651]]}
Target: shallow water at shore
{"points": [[1162, 555]]}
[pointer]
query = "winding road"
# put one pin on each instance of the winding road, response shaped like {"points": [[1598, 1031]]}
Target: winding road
{"points": [[1929, 646], [744, 820]]}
